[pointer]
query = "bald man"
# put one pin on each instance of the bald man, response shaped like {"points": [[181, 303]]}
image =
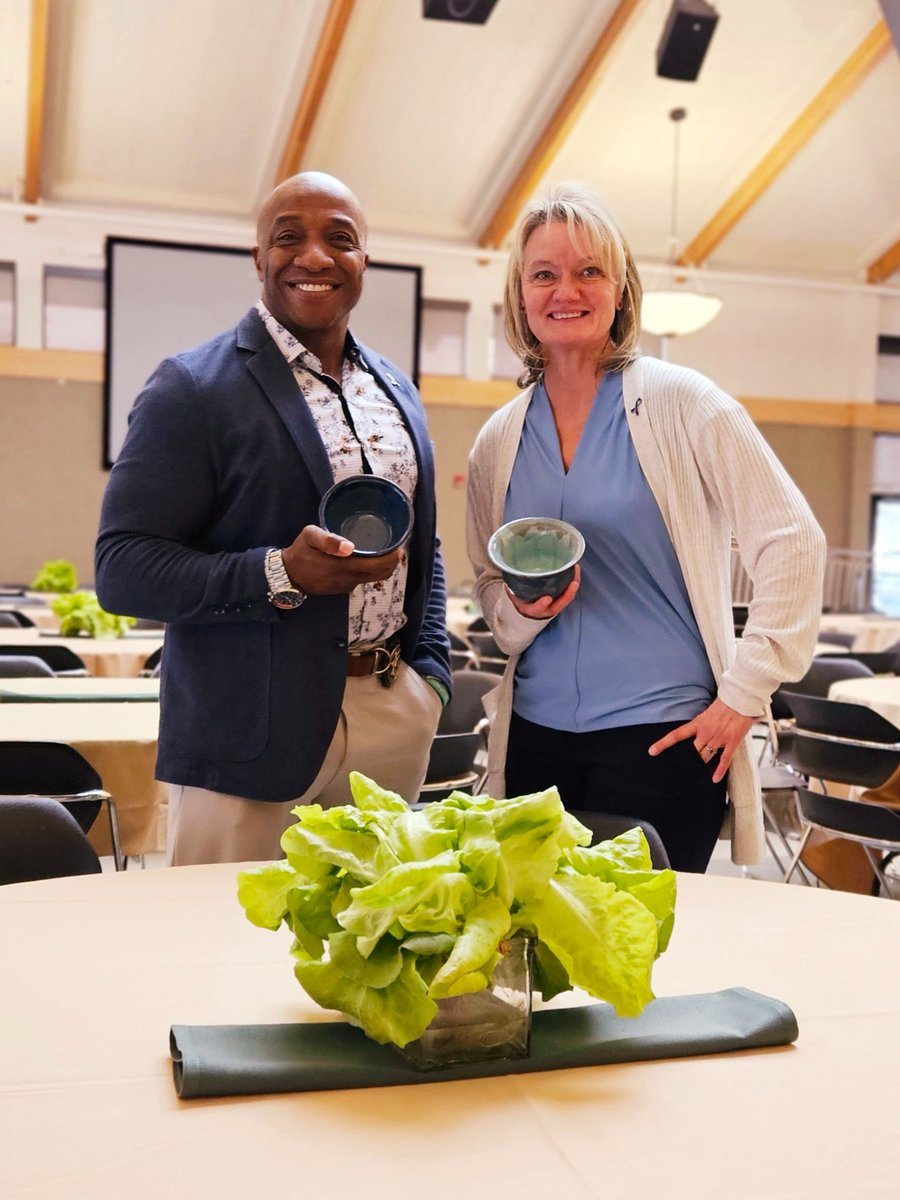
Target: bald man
{"points": [[288, 661]]}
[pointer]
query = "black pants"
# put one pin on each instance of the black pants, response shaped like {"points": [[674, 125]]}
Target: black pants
{"points": [[609, 770]]}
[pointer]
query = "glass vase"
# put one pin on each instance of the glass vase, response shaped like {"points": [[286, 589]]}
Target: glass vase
{"points": [[492, 1023]]}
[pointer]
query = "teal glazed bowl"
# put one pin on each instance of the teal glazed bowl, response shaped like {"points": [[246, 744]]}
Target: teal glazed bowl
{"points": [[536, 556], [371, 512]]}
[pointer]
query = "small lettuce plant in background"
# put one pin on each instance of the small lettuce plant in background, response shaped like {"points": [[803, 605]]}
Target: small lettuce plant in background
{"points": [[392, 908], [80, 612], [56, 575]]}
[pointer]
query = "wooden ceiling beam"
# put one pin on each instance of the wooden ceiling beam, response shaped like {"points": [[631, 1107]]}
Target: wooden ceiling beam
{"points": [[556, 130], [330, 40], [37, 94], [844, 81], [885, 266]]}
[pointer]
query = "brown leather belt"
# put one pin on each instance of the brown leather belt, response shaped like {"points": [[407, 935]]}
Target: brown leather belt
{"points": [[382, 661]]}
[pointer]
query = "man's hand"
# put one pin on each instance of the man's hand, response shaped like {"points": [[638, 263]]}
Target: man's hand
{"points": [[320, 563], [716, 728], [546, 606]]}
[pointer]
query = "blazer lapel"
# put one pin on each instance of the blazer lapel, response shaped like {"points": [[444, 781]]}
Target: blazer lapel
{"points": [[274, 376]]}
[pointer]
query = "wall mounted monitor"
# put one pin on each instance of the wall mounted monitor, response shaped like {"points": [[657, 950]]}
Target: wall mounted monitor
{"points": [[166, 297]]}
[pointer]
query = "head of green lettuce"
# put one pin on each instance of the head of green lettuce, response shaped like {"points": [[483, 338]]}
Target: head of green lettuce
{"points": [[393, 908]]}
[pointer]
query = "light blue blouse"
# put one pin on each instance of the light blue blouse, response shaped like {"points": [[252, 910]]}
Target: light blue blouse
{"points": [[627, 650]]}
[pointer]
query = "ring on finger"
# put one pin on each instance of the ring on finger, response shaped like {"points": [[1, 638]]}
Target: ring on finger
{"points": [[707, 752]]}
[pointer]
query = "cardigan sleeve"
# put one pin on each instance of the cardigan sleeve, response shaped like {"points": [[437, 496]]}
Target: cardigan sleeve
{"points": [[781, 546]]}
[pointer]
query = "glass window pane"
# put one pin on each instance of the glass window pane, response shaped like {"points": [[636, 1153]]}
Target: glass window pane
{"points": [[886, 556], [7, 293], [442, 349], [74, 309]]}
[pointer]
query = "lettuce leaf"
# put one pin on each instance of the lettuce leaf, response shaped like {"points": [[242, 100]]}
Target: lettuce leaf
{"points": [[394, 909]]}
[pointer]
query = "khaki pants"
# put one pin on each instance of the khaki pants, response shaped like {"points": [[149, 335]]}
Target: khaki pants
{"points": [[385, 733]]}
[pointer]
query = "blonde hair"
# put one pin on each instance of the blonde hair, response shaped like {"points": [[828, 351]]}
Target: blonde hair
{"points": [[586, 219]]}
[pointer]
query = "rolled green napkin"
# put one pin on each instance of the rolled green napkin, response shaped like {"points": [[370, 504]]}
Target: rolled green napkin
{"points": [[241, 1060]]}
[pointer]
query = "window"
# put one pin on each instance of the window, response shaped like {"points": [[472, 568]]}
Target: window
{"points": [[505, 364], [886, 555], [74, 309], [7, 293], [887, 378], [442, 348]]}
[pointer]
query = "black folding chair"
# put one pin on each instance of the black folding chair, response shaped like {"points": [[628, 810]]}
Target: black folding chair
{"points": [[152, 664], [23, 666], [836, 742], [39, 839], [604, 826], [57, 770], [10, 618], [60, 659]]}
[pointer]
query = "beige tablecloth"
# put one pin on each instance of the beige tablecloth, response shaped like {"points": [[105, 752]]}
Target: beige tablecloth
{"points": [[42, 616], [881, 693], [97, 969], [63, 688], [119, 741], [871, 633], [115, 656]]}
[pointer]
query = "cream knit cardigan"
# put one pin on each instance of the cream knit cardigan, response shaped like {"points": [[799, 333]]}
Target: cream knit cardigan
{"points": [[713, 476]]}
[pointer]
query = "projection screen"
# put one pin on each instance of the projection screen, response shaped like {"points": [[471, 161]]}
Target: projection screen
{"points": [[166, 297]]}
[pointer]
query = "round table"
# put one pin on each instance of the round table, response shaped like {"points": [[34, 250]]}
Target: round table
{"points": [[123, 656], [96, 969], [871, 632], [119, 741]]}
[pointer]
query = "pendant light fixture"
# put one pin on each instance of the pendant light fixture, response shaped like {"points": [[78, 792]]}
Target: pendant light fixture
{"points": [[680, 308]]}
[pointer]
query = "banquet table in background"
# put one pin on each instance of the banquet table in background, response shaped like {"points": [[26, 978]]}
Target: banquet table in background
{"points": [[871, 631], [41, 615], [123, 656], [88, 1108], [461, 612], [69, 689], [881, 693], [119, 741]]}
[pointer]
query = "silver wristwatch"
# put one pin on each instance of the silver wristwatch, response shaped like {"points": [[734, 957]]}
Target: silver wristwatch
{"points": [[282, 592]]}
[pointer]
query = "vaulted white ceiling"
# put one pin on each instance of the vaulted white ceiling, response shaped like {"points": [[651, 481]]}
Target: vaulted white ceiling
{"points": [[790, 154]]}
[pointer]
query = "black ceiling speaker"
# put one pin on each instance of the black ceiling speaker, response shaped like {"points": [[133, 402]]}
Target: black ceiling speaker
{"points": [[689, 28], [476, 12]]}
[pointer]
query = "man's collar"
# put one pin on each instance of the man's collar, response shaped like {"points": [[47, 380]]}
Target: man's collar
{"points": [[293, 349]]}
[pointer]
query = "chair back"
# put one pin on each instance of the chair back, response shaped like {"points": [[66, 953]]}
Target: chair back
{"points": [[39, 839], [23, 666], [153, 660], [465, 711], [870, 823], [60, 659], [824, 671], [841, 742], [882, 662], [832, 637], [817, 681], [10, 618], [604, 826], [52, 769]]}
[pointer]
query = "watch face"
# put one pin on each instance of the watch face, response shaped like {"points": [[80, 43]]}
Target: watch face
{"points": [[289, 599]]}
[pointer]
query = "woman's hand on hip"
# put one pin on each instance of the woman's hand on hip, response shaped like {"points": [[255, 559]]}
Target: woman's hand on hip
{"points": [[545, 606], [717, 730]]}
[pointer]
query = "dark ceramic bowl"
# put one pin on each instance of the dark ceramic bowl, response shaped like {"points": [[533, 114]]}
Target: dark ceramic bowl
{"points": [[371, 512], [536, 556]]}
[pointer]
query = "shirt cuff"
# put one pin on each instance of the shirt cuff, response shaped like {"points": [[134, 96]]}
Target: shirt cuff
{"points": [[440, 688]]}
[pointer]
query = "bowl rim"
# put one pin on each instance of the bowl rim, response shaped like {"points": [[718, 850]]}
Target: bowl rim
{"points": [[388, 485], [560, 524]]}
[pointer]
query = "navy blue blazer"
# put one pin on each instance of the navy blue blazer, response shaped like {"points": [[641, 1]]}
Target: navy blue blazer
{"points": [[221, 461]]}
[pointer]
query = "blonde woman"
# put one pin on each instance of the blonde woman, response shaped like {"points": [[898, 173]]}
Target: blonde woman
{"points": [[629, 692]]}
